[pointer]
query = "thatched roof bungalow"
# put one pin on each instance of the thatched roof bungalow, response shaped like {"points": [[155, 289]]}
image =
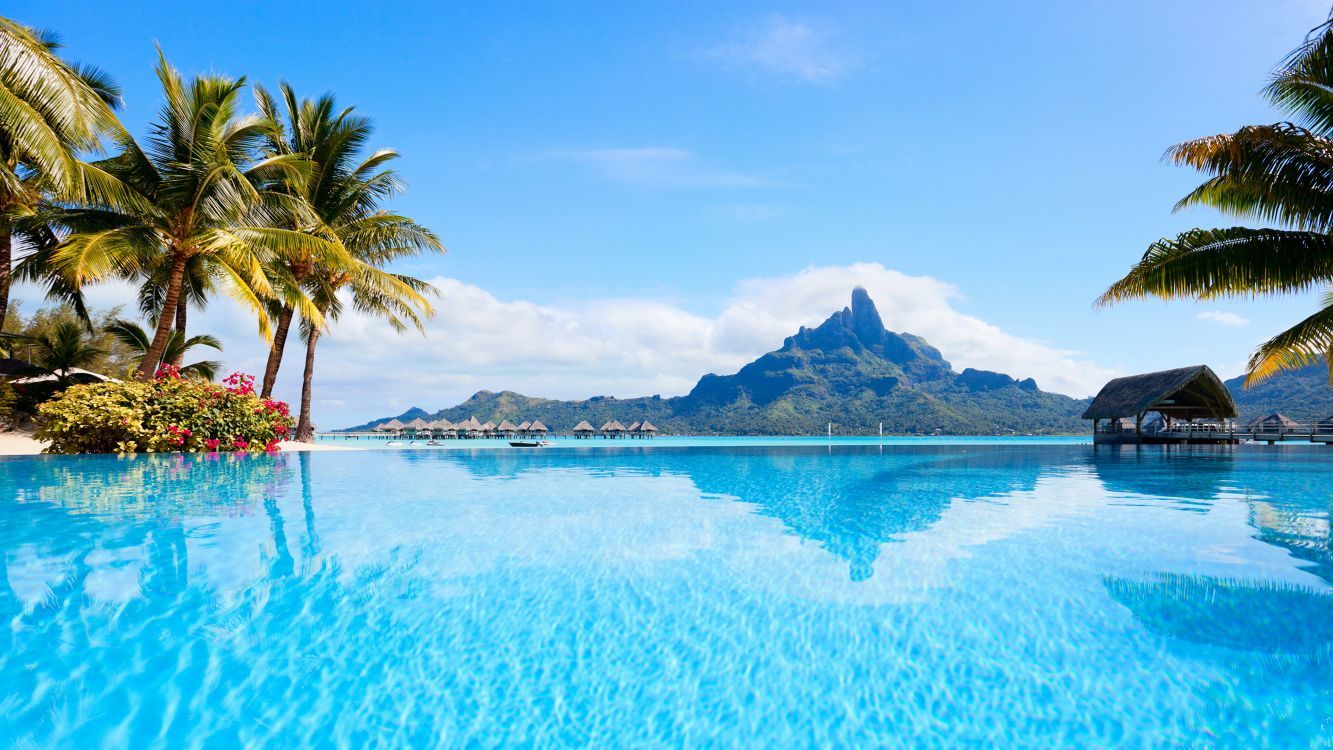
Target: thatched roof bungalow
{"points": [[583, 429], [647, 429], [417, 425], [538, 427], [1275, 422], [1186, 393], [523, 427], [506, 427], [393, 425], [613, 429]]}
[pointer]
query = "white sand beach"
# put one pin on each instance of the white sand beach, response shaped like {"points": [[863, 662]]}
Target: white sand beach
{"points": [[22, 443]]}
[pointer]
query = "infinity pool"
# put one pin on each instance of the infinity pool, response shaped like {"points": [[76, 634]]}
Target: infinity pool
{"points": [[842, 596]]}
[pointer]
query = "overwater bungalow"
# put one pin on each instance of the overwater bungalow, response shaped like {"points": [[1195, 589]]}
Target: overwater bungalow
{"points": [[1275, 422], [612, 430], [647, 430], [523, 427], [506, 428], [1185, 398], [469, 428], [417, 426], [584, 430], [537, 428], [633, 429], [393, 425], [442, 428]]}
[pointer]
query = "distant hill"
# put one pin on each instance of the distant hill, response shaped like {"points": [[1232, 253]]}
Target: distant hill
{"points": [[1304, 395], [850, 371]]}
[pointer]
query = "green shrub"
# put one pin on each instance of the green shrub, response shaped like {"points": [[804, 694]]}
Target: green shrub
{"points": [[8, 397], [165, 414]]}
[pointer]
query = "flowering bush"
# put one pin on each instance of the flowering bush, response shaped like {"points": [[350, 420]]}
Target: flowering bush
{"points": [[168, 413]]}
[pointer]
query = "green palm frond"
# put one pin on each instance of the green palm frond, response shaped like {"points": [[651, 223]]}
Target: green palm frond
{"points": [[1212, 263], [1301, 83], [1303, 344]]}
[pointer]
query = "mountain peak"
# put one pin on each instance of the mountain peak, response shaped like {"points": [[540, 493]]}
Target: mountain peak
{"points": [[863, 318]]}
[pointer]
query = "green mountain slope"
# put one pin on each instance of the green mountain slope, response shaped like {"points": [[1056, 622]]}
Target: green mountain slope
{"points": [[1304, 395]]}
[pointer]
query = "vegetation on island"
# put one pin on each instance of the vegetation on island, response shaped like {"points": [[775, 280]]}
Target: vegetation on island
{"points": [[280, 208], [1280, 173], [849, 371]]}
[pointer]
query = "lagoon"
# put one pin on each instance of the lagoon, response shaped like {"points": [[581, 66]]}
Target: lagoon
{"points": [[929, 594]]}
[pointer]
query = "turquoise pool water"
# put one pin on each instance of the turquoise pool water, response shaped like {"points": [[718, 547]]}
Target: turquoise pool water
{"points": [[984, 595]]}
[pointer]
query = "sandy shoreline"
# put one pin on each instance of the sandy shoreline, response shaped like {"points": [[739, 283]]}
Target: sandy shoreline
{"points": [[20, 443]]}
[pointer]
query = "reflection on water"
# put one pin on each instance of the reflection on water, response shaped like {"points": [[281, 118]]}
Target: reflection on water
{"points": [[984, 595]]}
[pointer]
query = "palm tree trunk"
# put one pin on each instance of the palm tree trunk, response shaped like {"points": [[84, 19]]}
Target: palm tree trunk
{"points": [[305, 431], [182, 311], [275, 351], [6, 273], [153, 357]]}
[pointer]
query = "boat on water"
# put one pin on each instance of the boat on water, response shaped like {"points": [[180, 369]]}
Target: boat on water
{"points": [[528, 443]]}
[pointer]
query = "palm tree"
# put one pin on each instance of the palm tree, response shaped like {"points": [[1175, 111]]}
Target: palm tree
{"points": [[1280, 173], [50, 111], [62, 350], [134, 336], [200, 192], [343, 191]]}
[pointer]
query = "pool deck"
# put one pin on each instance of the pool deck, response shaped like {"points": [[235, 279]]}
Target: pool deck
{"points": [[20, 443]]}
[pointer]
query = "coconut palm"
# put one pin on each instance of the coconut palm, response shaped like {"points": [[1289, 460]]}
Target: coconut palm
{"points": [[200, 192], [61, 351], [50, 111], [397, 298], [1280, 173], [343, 191], [137, 339]]}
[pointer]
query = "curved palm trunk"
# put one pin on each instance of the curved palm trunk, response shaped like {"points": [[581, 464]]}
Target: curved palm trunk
{"points": [[153, 357], [182, 312], [275, 351], [6, 273], [305, 431]]}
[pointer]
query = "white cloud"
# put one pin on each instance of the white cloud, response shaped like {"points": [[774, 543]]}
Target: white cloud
{"points": [[1222, 318], [788, 49], [613, 346], [659, 166]]}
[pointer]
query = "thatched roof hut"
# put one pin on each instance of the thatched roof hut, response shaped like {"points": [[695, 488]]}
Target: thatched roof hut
{"points": [[442, 425], [633, 427], [1273, 423], [583, 427], [507, 426], [537, 426], [469, 425], [647, 427], [1184, 393], [613, 427], [488, 427], [524, 426], [393, 425], [417, 424]]}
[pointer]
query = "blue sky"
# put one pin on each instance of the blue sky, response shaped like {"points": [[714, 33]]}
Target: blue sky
{"points": [[635, 193]]}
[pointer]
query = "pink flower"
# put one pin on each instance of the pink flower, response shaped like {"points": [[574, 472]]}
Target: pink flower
{"points": [[212, 444]]}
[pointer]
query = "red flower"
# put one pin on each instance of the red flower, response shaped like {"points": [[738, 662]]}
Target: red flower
{"points": [[212, 444]]}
